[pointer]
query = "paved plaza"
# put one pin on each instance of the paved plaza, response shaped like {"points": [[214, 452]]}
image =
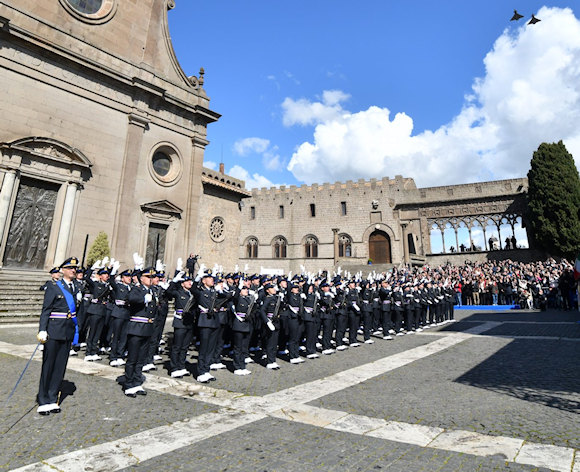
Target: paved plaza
{"points": [[493, 391]]}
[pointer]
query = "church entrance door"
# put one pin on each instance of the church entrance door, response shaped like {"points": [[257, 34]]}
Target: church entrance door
{"points": [[380, 248], [31, 224], [156, 243]]}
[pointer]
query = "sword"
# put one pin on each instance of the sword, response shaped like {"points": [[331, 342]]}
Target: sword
{"points": [[22, 374]]}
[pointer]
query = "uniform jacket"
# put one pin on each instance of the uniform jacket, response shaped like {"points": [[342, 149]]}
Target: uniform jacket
{"points": [[142, 314], [60, 326]]}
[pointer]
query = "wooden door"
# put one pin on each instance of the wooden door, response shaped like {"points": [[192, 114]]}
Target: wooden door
{"points": [[380, 248]]}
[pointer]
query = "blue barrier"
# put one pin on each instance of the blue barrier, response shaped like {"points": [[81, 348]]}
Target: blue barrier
{"points": [[488, 307]]}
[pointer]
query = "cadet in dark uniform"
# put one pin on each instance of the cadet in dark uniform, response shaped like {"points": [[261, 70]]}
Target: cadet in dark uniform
{"points": [[367, 296], [311, 317], [183, 322], [143, 310], [327, 315], [397, 310], [208, 324], [341, 316], [242, 309], [385, 294], [99, 290], [120, 316], [292, 321], [269, 313], [56, 332], [353, 311]]}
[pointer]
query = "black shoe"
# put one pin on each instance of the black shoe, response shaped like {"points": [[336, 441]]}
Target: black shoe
{"points": [[44, 413], [141, 392], [132, 395]]}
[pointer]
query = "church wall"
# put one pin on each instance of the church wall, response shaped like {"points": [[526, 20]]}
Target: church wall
{"points": [[213, 248]]}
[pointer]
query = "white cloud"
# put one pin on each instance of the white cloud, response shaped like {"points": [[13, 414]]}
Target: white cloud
{"points": [[210, 165], [252, 180], [245, 146], [303, 112], [530, 94]]}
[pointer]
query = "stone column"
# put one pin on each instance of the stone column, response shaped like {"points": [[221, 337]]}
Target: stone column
{"points": [[335, 243], [456, 240], [5, 199], [443, 240], [405, 242], [127, 213], [65, 223]]}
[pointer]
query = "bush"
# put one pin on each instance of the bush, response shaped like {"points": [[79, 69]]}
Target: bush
{"points": [[99, 249]]}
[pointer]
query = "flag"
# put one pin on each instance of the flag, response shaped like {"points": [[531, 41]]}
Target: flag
{"points": [[577, 268]]}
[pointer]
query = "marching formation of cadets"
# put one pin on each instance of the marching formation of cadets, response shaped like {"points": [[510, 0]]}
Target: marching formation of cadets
{"points": [[123, 314]]}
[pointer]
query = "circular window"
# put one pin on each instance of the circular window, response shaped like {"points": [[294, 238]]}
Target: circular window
{"points": [[217, 229], [165, 164], [161, 163], [91, 11], [86, 7]]}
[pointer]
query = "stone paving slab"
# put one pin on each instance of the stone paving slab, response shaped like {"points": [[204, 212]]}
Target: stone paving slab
{"points": [[96, 412], [549, 316], [275, 445], [569, 331], [492, 386]]}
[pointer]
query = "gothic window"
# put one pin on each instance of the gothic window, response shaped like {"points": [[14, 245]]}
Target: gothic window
{"points": [[252, 213], [311, 247], [344, 246], [252, 248], [343, 208], [279, 247], [281, 211]]}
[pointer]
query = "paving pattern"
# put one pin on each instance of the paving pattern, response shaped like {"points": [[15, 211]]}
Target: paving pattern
{"points": [[456, 397]]}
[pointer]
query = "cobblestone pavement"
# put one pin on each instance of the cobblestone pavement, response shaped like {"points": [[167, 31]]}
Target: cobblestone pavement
{"points": [[514, 390]]}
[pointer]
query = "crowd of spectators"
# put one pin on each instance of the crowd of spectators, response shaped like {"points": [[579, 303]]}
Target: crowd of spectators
{"points": [[540, 285]]}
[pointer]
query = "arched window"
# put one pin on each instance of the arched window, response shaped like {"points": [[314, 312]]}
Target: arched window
{"points": [[311, 247], [279, 247], [344, 246], [252, 248]]}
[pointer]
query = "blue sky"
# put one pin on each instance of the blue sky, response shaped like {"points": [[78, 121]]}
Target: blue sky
{"points": [[444, 92]]}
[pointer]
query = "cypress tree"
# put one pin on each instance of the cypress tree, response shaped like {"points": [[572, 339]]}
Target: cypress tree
{"points": [[99, 249], [554, 201]]}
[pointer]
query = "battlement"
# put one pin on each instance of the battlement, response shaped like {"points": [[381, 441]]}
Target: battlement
{"points": [[404, 183], [219, 179]]}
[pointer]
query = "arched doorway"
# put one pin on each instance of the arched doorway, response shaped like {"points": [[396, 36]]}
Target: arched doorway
{"points": [[380, 247]]}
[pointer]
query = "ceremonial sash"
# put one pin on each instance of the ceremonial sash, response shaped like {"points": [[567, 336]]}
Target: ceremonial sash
{"points": [[72, 307]]}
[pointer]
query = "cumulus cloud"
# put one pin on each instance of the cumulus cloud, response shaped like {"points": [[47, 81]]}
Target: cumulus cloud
{"points": [[303, 112], [530, 94], [245, 146], [210, 165], [252, 180], [271, 160]]}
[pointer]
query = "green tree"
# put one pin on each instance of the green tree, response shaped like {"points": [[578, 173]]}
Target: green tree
{"points": [[554, 201], [99, 249]]}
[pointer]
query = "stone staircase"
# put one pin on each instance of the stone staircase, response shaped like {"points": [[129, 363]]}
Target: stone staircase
{"points": [[20, 297]]}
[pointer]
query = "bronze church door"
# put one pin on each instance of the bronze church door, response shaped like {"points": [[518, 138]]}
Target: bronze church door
{"points": [[380, 248], [31, 224], [156, 243]]}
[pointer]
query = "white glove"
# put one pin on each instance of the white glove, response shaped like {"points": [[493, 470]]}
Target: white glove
{"points": [[317, 294], [105, 261], [255, 295], [115, 268], [79, 297], [270, 326], [42, 336], [158, 265], [355, 306], [303, 296], [96, 265], [164, 285], [179, 276], [201, 268], [179, 265], [148, 297], [136, 258]]}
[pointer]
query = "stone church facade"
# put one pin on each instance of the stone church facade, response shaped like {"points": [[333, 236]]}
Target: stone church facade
{"points": [[101, 130]]}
